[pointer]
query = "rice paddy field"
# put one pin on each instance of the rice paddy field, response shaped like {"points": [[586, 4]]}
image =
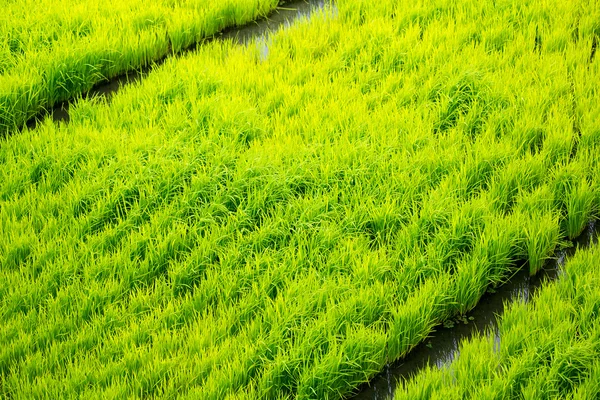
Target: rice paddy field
{"points": [[283, 219], [549, 348], [53, 50]]}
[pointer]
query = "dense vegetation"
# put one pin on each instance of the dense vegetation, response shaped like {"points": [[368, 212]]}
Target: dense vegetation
{"points": [[548, 348], [52, 50], [281, 220]]}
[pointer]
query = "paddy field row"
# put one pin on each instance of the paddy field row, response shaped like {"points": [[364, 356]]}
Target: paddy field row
{"points": [[546, 348], [51, 51]]}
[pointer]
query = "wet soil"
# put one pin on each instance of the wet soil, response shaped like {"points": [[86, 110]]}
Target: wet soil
{"points": [[283, 16], [441, 347]]}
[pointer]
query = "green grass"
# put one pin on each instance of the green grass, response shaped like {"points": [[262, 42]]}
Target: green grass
{"points": [[548, 347], [283, 226], [51, 51]]}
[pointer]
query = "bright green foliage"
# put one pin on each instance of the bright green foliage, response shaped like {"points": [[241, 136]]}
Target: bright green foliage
{"points": [[52, 50], [547, 348], [280, 222]]}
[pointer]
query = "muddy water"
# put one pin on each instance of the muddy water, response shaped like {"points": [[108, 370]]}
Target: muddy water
{"points": [[442, 347], [281, 17]]}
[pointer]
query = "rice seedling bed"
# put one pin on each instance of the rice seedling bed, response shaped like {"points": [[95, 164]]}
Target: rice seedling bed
{"points": [[545, 348], [282, 224], [53, 50], [442, 347], [281, 17]]}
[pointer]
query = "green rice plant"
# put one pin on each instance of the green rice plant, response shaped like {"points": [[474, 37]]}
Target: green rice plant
{"points": [[542, 236], [580, 208]]}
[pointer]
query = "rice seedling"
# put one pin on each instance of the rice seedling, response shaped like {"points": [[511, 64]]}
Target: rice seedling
{"points": [[280, 225]]}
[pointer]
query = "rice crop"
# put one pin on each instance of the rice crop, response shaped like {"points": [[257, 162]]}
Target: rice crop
{"points": [[52, 50], [546, 348], [280, 220]]}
